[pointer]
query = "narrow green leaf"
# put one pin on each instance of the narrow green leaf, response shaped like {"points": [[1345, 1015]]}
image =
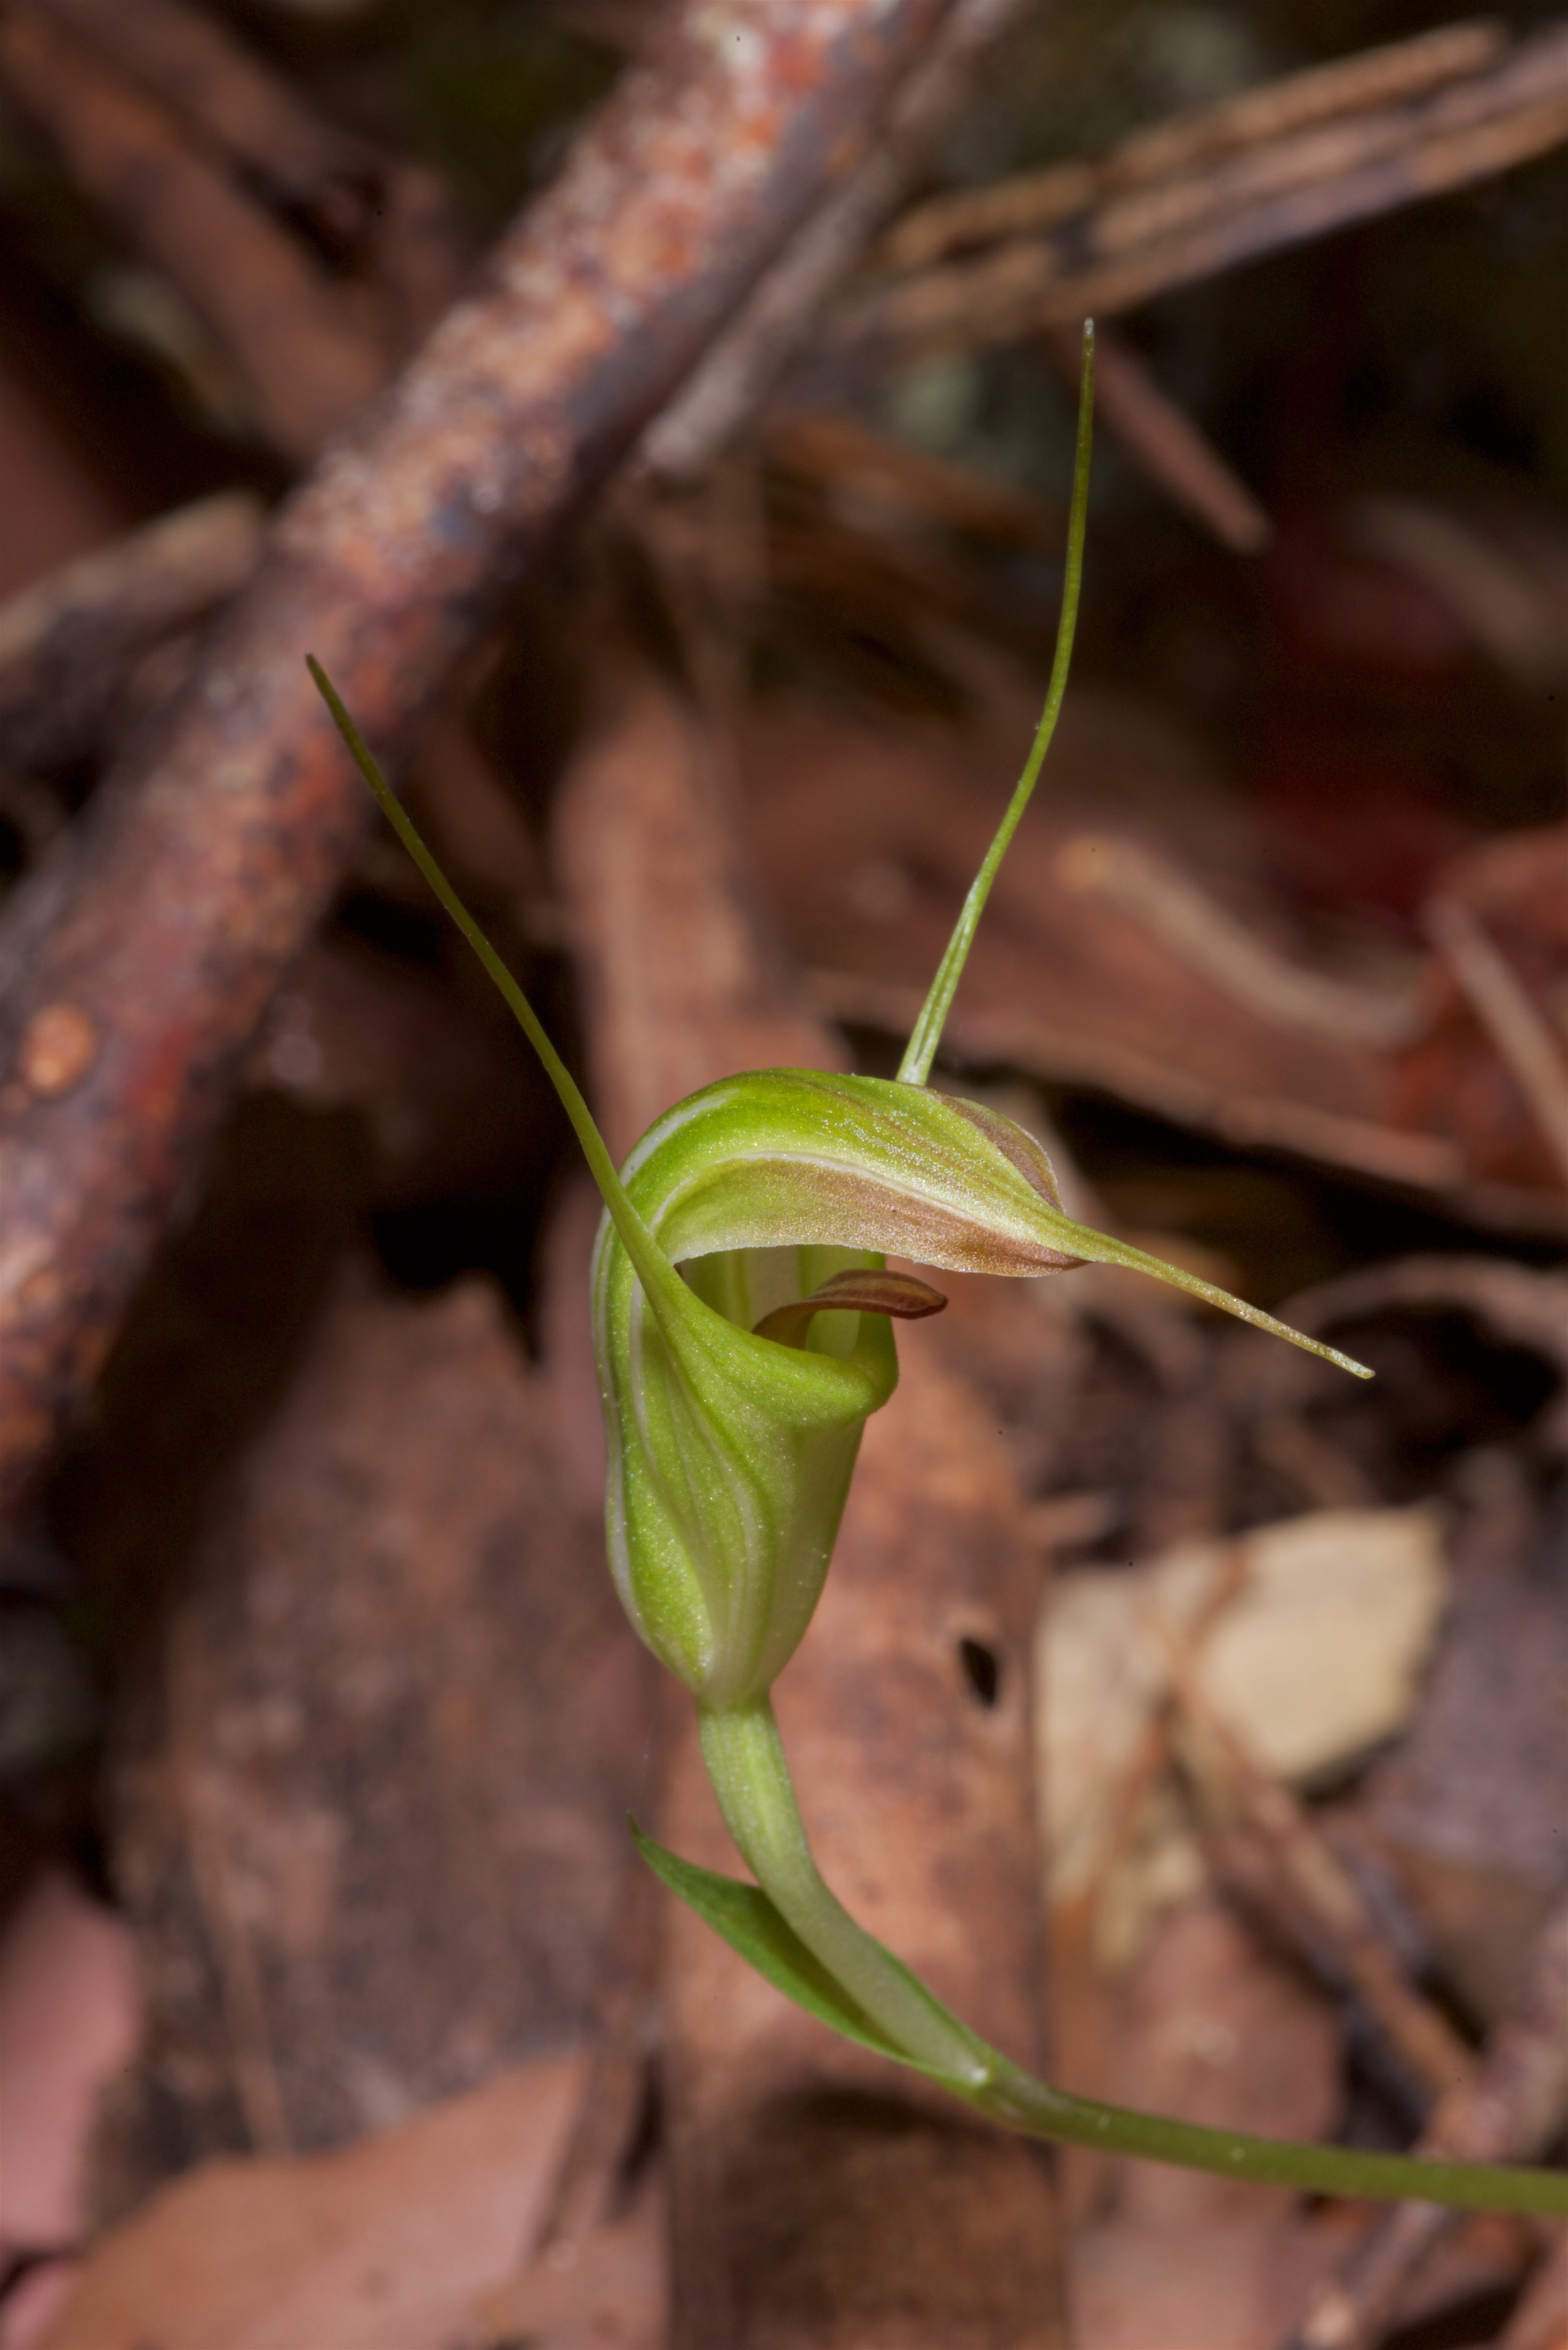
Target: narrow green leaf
{"points": [[749, 1922]]}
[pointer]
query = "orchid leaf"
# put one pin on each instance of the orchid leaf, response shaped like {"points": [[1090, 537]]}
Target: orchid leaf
{"points": [[749, 1922]]}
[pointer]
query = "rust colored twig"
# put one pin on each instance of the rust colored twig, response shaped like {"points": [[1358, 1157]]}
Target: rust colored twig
{"points": [[1509, 2110], [1505, 1011], [1286, 1442], [1039, 200], [69, 646], [1110, 244], [1154, 892], [1161, 440], [193, 66], [844, 457], [204, 869], [602, 2143], [1152, 1756]]}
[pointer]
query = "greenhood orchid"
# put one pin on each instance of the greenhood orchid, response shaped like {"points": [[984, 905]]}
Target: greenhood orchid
{"points": [[743, 1313]]}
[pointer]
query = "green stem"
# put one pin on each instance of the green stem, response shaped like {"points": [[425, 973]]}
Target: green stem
{"points": [[653, 1269], [751, 1777], [922, 1050], [746, 1760], [1017, 2098]]}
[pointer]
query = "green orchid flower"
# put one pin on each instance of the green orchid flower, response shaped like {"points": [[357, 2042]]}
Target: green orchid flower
{"points": [[743, 1313]]}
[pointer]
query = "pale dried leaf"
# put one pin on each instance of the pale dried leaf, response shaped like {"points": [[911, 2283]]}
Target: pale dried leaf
{"points": [[1317, 1660]]}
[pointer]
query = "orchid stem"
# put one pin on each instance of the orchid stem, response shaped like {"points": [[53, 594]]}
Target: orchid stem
{"points": [[751, 1776], [747, 1765]]}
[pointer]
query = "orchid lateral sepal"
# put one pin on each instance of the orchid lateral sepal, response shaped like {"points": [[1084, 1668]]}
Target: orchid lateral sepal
{"points": [[601, 1166], [927, 1034]]}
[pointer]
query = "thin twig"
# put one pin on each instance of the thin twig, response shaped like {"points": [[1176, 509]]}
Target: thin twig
{"points": [[1150, 1757], [1540, 2321], [1285, 1442], [1526, 1306], [242, 1995], [1356, 1946], [843, 456], [1261, 117], [304, 362], [388, 217], [1165, 442], [747, 361], [1506, 1013], [1511, 2109], [1115, 245], [195, 67], [1191, 925]]}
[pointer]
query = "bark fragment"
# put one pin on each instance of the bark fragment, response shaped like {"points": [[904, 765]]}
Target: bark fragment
{"points": [[369, 1798]]}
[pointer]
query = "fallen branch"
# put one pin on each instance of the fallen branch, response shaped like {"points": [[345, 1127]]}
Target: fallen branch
{"points": [[1102, 237], [206, 864]]}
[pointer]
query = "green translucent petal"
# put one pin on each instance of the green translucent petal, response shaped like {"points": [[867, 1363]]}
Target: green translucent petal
{"points": [[729, 1455], [784, 1156]]}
